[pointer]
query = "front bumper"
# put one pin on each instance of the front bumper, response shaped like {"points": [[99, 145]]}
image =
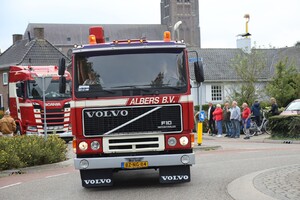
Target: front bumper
{"points": [[153, 161], [65, 135]]}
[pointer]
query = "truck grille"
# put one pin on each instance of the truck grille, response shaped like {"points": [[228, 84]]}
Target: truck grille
{"points": [[130, 120], [133, 144], [57, 119]]}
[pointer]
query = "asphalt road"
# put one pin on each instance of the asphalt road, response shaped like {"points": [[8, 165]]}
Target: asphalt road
{"points": [[214, 171]]}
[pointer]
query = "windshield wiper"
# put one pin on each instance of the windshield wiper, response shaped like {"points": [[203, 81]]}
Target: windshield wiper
{"points": [[171, 87], [133, 87], [108, 91]]}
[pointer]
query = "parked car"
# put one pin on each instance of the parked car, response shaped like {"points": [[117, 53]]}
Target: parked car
{"points": [[292, 109]]}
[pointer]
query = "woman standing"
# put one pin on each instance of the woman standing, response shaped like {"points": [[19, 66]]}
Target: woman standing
{"points": [[218, 116], [274, 107], [246, 117]]}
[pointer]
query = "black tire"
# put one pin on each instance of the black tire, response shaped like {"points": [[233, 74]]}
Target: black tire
{"points": [[253, 128], [267, 128], [252, 133], [18, 130]]}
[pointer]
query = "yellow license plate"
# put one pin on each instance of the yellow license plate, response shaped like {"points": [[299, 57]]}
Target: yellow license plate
{"points": [[135, 165]]}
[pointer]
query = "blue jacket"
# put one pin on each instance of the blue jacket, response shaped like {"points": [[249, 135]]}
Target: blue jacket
{"points": [[256, 109]]}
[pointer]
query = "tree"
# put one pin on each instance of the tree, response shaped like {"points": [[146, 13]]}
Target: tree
{"points": [[284, 86], [248, 67]]}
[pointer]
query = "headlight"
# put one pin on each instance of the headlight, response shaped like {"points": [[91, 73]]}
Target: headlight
{"points": [[185, 159], [184, 141], [172, 141], [83, 146], [95, 145], [84, 164]]}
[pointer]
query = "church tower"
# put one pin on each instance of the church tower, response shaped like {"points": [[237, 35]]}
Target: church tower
{"points": [[186, 11]]}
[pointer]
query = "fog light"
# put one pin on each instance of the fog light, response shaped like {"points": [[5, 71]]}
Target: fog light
{"points": [[95, 145], [172, 141], [184, 141], [83, 146], [185, 159], [84, 164]]}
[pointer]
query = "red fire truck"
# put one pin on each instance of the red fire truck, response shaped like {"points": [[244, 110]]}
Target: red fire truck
{"points": [[132, 108], [26, 101]]}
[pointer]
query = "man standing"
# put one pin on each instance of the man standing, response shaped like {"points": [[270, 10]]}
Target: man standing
{"points": [[226, 119], [235, 117], [7, 125], [255, 109], [211, 121]]}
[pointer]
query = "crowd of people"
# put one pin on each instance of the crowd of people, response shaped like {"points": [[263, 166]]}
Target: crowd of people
{"points": [[234, 119]]}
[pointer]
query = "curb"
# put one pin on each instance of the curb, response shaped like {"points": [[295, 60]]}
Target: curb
{"points": [[206, 148], [266, 140], [28, 170], [243, 189]]}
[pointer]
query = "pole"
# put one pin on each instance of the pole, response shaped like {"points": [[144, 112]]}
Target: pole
{"points": [[44, 102], [200, 101], [200, 127], [199, 131], [198, 97]]}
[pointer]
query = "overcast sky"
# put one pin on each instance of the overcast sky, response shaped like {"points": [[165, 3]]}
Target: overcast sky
{"points": [[272, 23]]}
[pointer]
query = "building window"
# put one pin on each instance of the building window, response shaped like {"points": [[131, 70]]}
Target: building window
{"points": [[216, 93], [5, 78], [183, 1]]}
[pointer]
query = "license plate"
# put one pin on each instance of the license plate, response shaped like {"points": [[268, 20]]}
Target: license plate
{"points": [[135, 165]]}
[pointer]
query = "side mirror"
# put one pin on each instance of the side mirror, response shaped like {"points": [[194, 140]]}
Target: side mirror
{"points": [[62, 67], [199, 73], [62, 84]]}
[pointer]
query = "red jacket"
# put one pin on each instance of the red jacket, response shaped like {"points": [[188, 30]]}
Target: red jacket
{"points": [[218, 114], [246, 113]]}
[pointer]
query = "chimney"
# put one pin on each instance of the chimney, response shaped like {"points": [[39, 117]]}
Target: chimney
{"points": [[17, 37], [38, 33]]}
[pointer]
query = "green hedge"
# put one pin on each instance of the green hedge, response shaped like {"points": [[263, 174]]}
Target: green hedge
{"points": [[25, 151], [285, 126]]}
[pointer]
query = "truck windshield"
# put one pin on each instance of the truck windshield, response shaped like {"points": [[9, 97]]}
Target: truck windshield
{"points": [[130, 72], [35, 91]]}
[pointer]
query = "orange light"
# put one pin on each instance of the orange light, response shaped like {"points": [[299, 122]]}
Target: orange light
{"points": [[92, 39], [192, 139], [98, 32], [129, 41], [167, 36], [74, 144]]}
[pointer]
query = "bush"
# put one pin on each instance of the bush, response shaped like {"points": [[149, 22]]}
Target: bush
{"points": [[25, 151], [285, 126]]}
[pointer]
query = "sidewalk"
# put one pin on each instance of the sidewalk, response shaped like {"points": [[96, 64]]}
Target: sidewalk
{"points": [[264, 138], [277, 183]]}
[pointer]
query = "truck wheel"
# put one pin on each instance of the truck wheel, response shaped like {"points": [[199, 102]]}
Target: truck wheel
{"points": [[18, 130]]}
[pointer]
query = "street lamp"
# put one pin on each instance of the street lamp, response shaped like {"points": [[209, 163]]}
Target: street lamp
{"points": [[176, 29]]}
